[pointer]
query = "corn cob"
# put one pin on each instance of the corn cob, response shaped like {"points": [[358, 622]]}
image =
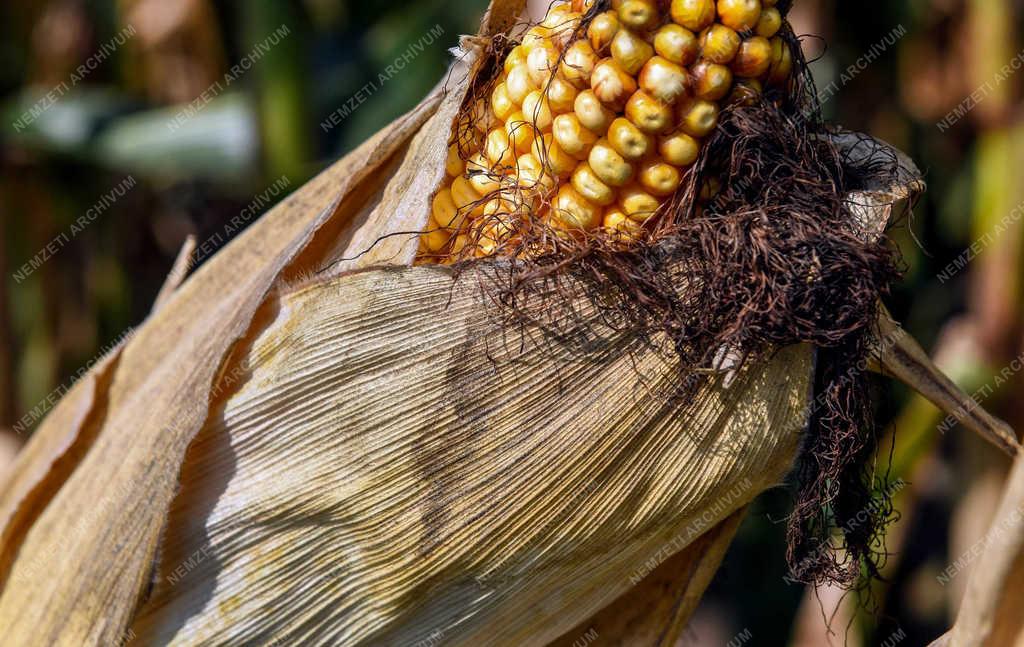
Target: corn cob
{"points": [[596, 128]]}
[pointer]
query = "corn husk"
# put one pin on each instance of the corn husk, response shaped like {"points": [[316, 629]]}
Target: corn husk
{"points": [[310, 444]]}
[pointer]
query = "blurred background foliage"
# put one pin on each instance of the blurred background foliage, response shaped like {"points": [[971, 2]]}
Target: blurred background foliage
{"points": [[158, 110]]}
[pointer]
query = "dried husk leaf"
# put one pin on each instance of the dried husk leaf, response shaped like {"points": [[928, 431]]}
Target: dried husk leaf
{"points": [[397, 465]]}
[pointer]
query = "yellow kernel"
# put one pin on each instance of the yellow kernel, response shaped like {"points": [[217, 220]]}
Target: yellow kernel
{"points": [[534, 37], [520, 131], [782, 62], [602, 31], [514, 59], [499, 149], [698, 117], [561, 95], [630, 51], [719, 44], [754, 58], [677, 44], [637, 14], [740, 15], [444, 211], [571, 135], [518, 83], [501, 104], [573, 211], [769, 23], [628, 140], [663, 79], [556, 161], [435, 237], [541, 63], [591, 112], [481, 176], [648, 114], [617, 222], [695, 15], [537, 110], [711, 81], [612, 168], [530, 174], [611, 84], [495, 231], [746, 92], [459, 244], [466, 198], [578, 63], [637, 203], [660, 179], [590, 186], [453, 163], [582, 6], [679, 149]]}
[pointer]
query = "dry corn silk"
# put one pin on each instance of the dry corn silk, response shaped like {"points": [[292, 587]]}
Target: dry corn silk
{"points": [[667, 162]]}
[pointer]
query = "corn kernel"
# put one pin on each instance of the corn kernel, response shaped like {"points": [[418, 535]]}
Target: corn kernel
{"points": [[637, 203], [695, 15], [571, 136], [630, 51], [482, 178], [679, 149], [640, 15], [556, 161], [578, 63], [453, 163], [711, 81], [602, 31], [573, 211], [530, 174], [612, 168], [660, 179], [537, 110], [520, 132], [617, 222], [515, 58], [518, 83], [628, 140], [697, 117], [591, 112], [534, 37], [590, 186], [561, 95], [611, 84], [582, 6], [444, 211], [436, 237], [501, 104], [467, 200], [719, 44], [677, 44], [769, 23], [754, 58], [648, 114], [663, 79], [541, 63], [499, 149], [782, 62], [746, 92], [740, 15]]}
